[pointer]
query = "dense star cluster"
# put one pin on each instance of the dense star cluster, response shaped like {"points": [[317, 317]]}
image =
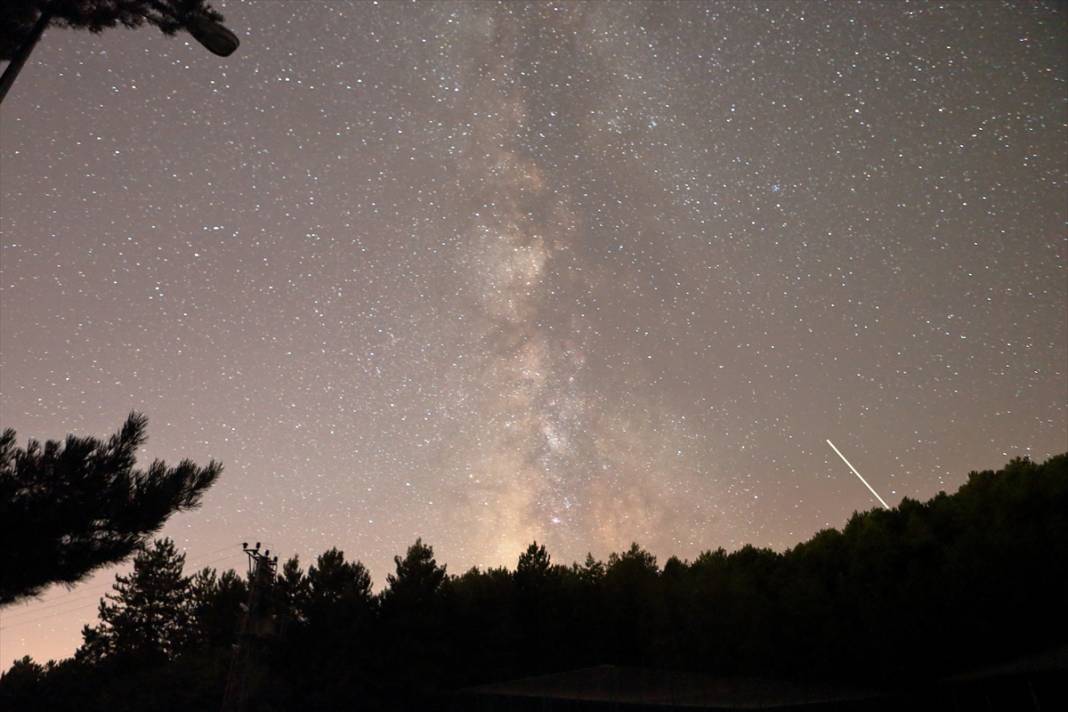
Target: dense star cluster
{"points": [[585, 273]]}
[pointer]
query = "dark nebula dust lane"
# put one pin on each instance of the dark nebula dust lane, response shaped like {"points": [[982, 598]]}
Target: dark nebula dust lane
{"points": [[586, 273]]}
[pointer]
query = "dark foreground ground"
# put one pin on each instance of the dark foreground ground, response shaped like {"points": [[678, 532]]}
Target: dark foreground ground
{"points": [[1035, 683]]}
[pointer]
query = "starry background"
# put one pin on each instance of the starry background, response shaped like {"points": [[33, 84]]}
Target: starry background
{"points": [[585, 273]]}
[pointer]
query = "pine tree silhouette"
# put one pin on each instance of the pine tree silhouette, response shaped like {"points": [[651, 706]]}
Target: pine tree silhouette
{"points": [[149, 616], [17, 17], [69, 508]]}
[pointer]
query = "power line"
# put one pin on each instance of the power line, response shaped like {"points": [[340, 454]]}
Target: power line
{"points": [[263, 569], [97, 585], [79, 590], [64, 612], [42, 618], [93, 592]]}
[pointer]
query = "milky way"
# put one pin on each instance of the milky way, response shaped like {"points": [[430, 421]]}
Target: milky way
{"points": [[583, 273]]}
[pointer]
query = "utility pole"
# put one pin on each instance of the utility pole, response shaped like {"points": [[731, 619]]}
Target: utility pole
{"points": [[255, 626]]}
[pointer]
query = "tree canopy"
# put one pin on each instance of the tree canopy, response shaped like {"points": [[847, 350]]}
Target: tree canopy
{"points": [[915, 593], [77, 505], [149, 617], [17, 17]]}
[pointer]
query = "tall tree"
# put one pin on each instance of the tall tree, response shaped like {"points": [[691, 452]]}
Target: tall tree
{"points": [[291, 591], [533, 566], [417, 579], [337, 588], [415, 649], [149, 616], [630, 591], [217, 601], [69, 508]]}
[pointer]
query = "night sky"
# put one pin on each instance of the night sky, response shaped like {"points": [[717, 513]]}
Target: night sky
{"points": [[581, 273]]}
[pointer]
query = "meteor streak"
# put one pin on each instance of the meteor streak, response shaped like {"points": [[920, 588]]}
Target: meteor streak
{"points": [[885, 505]]}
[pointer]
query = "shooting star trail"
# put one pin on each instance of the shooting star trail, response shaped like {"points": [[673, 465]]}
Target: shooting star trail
{"points": [[885, 505]]}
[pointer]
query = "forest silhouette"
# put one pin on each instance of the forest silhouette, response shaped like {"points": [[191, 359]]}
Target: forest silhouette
{"points": [[917, 593]]}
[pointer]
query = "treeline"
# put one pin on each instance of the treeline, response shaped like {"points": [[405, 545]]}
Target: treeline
{"points": [[917, 592]]}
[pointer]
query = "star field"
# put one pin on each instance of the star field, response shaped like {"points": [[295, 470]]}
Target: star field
{"points": [[585, 273]]}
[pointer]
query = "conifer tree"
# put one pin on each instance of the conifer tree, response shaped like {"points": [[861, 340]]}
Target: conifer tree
{"points": [[217, 600], [533, 563], [336, 583], [291, 590], [69, 508], [17, 17], [149, 615], [417, 579]]}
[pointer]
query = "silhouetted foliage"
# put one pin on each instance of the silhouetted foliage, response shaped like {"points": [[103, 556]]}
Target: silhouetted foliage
{"points": [[335, 585], [22, 680], [416, 581], [149, 617], [75, 506], [216, 604], [915, 593], [17, 17], [291, 592]]}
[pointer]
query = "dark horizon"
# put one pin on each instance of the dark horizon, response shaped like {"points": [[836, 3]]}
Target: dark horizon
{"points": [[954, 599]]}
